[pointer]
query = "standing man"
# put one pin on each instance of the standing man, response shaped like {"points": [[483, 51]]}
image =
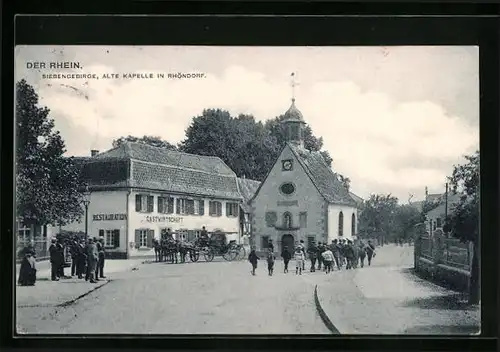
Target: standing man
{"points": [[370, 252], [286, 255], [362, 253], [321, 249], [334, 247], [54, 260], [81, 259], [204, 237], [99, 274], [60, 253], [74, 249], [312, 251], [92, 259]]}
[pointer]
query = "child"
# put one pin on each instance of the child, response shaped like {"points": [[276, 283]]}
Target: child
{"points": [[327, 256], [299, 260], [252, 258], [270, 262]]}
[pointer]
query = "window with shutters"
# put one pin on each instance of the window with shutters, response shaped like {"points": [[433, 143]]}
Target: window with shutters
{"points": [[144, 203], [143, 238], [303, 219], [109, 238], [271, 218], [165, 205], [215, 208], [232, 210]]}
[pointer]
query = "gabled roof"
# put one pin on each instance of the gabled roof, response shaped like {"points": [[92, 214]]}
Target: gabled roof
{"points": [[247, 190], [165, 170], [453, 200], [356, 198], [322, 176]]}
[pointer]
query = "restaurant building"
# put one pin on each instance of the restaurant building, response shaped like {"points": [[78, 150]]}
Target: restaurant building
{"points": [[139, 191]]}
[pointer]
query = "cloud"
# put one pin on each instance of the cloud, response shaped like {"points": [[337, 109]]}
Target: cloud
{"points": [[366, 131]]}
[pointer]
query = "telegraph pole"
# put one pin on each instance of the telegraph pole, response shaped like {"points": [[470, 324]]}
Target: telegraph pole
{"points": [[446, 209]]}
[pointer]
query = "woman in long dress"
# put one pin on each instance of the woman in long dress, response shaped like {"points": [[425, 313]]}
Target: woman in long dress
{"points": [[27, 272]]}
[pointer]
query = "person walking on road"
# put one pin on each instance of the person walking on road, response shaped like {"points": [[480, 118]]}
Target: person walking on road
{"points": [[312, 252], [286, 255], [349, 254], [302, 247], [362, 253], [54, 260], [270, 262], [321, 249], [335, 248], [299, 260], [99, 274], [253, 258], [370, 252], [92, 259], [327, 256]]}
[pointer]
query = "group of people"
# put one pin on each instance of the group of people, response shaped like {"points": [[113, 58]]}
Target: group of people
{"points": [[339, 253], [87, 259]]}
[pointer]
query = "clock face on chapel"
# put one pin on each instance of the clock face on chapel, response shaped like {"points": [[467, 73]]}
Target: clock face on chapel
{"points": [[287, 165]]}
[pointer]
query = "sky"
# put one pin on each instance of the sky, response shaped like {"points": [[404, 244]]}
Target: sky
{"points": [[394, 119]]}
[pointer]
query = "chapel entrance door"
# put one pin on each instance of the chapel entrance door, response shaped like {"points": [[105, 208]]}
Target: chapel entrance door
{"points": [[288, 241]]}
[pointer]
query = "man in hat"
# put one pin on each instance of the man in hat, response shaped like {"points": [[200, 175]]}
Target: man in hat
{"points": [[99, 274], [54, 260], [335, 248], [321, 249], [92, 259], [81, 266], [312, 252]]}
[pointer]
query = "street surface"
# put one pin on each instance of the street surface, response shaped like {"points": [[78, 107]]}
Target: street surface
{"points": [[223, 298]]}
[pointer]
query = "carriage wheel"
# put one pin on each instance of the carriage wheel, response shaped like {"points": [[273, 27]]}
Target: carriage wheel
{"points": [[242, 253], [209, 255], [194, 255], [230, 255]]}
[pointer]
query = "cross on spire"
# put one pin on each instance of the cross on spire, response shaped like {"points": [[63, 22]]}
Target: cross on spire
{"points": [[293, 84]]}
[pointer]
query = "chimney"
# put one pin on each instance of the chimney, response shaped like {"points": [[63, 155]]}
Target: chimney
{"points": [[94, 152]]}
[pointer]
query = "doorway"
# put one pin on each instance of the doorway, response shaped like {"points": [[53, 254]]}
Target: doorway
{"points": [[288, 241]]}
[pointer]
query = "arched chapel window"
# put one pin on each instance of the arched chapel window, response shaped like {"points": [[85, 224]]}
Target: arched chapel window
{"points": [[341, 224]]}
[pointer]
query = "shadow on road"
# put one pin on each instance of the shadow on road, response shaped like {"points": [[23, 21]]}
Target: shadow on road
{"points": [[444, 330], [453, 301]]}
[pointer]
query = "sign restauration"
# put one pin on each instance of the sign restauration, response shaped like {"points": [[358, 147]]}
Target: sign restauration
{"points": [[105, 217]]}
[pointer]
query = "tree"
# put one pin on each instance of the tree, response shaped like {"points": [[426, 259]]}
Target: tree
{"points": [[406, 217], [48, 187], [464, 220], [153, 141], [377, 216]]}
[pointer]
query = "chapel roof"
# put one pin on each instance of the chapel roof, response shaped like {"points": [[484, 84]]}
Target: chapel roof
{"points": [[322, 176], [164, 170]]}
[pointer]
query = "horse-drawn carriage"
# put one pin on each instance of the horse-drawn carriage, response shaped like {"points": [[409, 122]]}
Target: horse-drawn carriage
{"points": [[168, 248]]}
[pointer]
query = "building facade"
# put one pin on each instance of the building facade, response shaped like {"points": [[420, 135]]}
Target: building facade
{"points": [[139, 191], [301, 198]]}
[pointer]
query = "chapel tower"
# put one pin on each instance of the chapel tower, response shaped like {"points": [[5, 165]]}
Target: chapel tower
{"points": [[293, 122]]}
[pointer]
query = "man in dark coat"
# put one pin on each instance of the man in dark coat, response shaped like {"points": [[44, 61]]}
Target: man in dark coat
{"points": [[270, 246], [362, 253], [92, 259], [81, 266], [60, 252], [370, 252], [286, 255], [335, 248], [54, 260], [321, 249], [204, 239], [27, 272], [349, 255], [74, 250], [312, 252], [99, 274]]}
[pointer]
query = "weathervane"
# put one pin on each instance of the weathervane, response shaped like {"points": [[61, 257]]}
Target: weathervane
{"points": [[294, 84]]}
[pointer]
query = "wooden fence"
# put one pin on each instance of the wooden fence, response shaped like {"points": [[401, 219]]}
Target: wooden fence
{"points": [[444, 259]]}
